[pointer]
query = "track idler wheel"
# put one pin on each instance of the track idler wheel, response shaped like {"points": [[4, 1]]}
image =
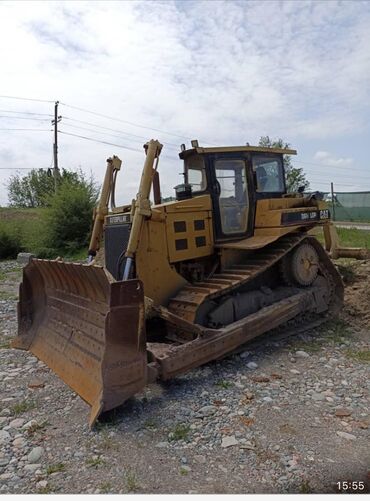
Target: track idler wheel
{"points": [[301, 266]]}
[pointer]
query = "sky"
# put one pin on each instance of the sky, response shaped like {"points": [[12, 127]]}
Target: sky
{"points": [[222, 72]]}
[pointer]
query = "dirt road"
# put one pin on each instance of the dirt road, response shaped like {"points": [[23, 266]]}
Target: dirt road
{"points": [[285, 416]]}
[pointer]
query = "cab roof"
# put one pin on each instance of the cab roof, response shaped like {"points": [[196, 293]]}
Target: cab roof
{"points": [[229, 149]]}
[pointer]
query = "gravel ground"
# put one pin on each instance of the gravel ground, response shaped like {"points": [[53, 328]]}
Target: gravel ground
{"points": [[285, 416]]}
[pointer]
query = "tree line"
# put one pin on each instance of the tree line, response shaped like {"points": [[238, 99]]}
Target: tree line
{"points": [[63, 225]]}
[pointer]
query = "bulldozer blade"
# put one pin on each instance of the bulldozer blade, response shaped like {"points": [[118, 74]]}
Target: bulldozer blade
{"points": [[89, 331]]}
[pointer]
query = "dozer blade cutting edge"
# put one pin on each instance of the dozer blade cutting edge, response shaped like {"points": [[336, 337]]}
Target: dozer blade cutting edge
{"points": [[89, 331]]}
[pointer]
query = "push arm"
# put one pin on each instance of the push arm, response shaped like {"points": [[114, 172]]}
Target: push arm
{"points": [[141, 206], [113, 165]]}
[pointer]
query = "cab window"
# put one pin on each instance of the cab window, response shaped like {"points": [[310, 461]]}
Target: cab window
{"points": [[233, 195], [269, 174], [195, 173]]}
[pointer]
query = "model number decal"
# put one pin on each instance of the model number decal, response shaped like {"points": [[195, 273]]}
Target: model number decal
{"points": [[308, 215], [305, 217]]}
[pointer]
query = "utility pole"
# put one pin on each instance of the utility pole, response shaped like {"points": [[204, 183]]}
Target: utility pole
{"points": [[332, 200], [56, 171]]}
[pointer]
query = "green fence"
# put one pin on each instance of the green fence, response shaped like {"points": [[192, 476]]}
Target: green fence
{"points": [[348, 206]]}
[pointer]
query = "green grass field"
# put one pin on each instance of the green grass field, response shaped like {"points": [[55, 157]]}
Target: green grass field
{"points": [[354, 238], [26, 223], [29, 226], [348, 237]]}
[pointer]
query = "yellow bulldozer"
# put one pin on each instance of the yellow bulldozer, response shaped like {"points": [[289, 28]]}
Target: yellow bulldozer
{"points": [[182, 282]]}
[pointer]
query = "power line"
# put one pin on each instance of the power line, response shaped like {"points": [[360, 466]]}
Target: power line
{"points": [[338, 176], [114, 135], [319, 165], [323, 181], [99, 115], [126, 121], [115, 130], [327, 165], [22, 168], [26, 113], [25, 118], [132, 135], [337, 184], [99, 141], [27, 99], [97, 131], [333, 179], [330, 173], [38, 130]]}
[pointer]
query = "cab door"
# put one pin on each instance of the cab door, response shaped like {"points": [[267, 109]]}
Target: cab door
{"points": [[233, 200]]}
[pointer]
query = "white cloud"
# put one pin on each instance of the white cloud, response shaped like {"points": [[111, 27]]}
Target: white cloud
{"points": [[223, 72], [326, 158]]}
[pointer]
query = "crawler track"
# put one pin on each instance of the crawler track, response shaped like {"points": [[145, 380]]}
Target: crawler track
{"points": [[186, 303]]}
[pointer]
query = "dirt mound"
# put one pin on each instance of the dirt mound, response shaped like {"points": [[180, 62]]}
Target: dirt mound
{"points": [[356, 276]]}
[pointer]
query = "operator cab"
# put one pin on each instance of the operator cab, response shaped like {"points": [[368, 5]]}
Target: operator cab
{"points": [[235, 177]]}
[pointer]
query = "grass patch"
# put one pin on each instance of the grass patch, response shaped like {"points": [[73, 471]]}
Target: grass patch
{"points": [[10, 243], [27, 228], [95, 462], [106, 442], [224, 384], [25, 224], [21, 407], [131, 481], [305, 488], [105, 487], [5, 344], [150, 424], [352, 237], [7, 296], [337, 331], [15, 270], [79, 255], [348, 237], [183, 471], [54, 468], [180, 432], [46, 490], [312, 346], [359, 355]]}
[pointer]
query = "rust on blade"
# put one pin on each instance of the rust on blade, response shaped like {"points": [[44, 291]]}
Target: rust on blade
{"points": [[87, 330]]}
